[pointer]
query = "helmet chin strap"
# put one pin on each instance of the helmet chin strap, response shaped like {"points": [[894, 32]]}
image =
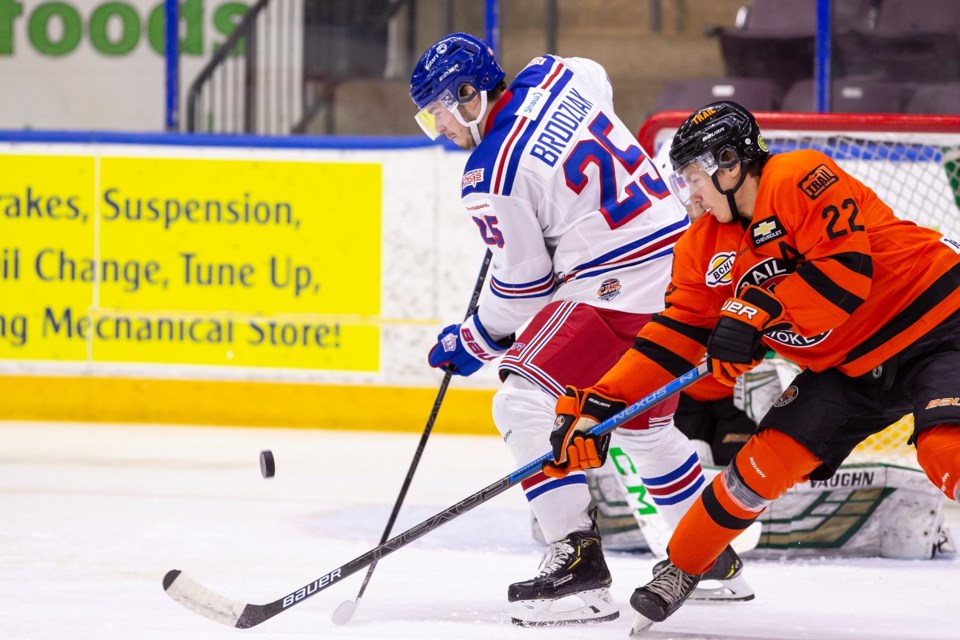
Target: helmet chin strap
{"points": [[731, 201], [473, 125]]}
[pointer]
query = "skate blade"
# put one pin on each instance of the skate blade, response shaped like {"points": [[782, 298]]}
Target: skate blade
{"points": [[733, 590], [640, 625], [585, 607], [561, 623]]}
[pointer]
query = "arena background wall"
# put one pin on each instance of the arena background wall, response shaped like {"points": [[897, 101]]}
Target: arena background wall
{"points": [[391, 256], [334, 263]]}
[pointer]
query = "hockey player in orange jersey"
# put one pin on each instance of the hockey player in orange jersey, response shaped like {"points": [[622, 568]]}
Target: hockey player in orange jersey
{"points": [[800, 257]]}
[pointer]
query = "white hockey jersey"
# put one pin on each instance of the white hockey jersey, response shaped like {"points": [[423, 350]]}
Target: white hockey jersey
{"points": [[570, 205]]}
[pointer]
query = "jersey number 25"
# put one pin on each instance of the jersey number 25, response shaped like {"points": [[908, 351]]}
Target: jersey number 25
{"points": [[601, 152]]}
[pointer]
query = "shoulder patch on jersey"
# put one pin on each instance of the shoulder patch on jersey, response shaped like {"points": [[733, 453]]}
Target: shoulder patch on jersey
{"points": [[536, 61], [472, 178], [818, 181], [533, 104], [719, 269], [765, 231]]}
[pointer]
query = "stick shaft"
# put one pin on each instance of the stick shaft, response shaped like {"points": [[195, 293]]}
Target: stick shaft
{"points": [[216, 607], [428, 429]]}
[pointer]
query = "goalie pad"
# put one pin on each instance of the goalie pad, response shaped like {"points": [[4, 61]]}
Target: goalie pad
{"points": [[756, 390], [628, 519], [865, 510], [626, 516]]}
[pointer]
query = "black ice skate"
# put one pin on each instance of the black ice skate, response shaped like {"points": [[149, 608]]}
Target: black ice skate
{"points": [[570, 588], [659, 598], [725, 578]]}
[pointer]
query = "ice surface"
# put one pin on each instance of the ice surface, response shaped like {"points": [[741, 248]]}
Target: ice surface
{"points": [[93, 516]]}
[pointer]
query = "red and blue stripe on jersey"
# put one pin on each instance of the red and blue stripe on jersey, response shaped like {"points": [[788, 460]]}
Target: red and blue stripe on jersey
{"points": [[667, 489], [651, 247], [539, 288], [498, 154], [540, 483]]}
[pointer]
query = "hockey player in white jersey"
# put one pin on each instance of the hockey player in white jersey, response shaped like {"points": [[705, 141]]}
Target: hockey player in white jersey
{"points": [[582, 229]]}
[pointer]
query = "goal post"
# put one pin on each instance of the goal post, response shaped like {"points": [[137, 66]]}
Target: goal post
{"points": [[911, 161]]}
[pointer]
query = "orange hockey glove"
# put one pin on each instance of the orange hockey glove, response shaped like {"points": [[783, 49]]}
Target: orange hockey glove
{"points": [[735, 346], [577, 412]]}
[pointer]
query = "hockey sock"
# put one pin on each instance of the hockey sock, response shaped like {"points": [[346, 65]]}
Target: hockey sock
{"points": [[938, 452], [770, 463], [524, 415], [666, 464]]}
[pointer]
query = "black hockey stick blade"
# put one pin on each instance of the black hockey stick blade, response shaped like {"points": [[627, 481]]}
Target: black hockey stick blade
{"points": [[209, 604]]}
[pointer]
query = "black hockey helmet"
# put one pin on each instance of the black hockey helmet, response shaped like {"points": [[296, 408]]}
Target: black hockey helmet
{"points": [[715, 128], [720, 135]]}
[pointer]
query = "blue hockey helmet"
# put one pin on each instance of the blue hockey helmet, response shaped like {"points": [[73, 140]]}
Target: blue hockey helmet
{"points": [[454, 61]]}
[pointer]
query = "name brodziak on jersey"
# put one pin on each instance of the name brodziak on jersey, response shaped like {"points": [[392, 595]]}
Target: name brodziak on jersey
{"points": [[560, 128], [571, 206]]}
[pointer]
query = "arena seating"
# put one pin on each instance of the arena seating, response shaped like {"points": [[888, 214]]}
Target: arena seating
{"points": [[912, 41], [850, 95], [890, 56], [776, 38], [937, 97], [758, 94]]}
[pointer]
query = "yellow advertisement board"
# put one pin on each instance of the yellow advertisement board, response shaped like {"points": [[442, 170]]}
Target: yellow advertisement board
{"points": [[190, 261]]}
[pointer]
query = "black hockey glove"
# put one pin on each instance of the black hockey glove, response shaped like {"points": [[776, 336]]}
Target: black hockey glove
{"points": [[577, 412], [736, 344]]}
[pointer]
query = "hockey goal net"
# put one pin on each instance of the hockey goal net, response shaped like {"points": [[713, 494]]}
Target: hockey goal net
{"points": [[911, 161]]}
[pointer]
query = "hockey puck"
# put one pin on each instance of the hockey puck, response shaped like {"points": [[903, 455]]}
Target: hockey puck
{"points": [[267, 467]]}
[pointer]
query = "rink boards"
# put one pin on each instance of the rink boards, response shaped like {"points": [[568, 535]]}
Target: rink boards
{"points": [[232, 280]]}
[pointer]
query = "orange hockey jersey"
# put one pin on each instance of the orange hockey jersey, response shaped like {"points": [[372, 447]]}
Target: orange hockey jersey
{"points": [[857, 283], [708, 389]]}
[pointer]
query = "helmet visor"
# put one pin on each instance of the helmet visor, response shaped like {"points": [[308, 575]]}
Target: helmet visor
{"points": [[439, 109], [689, 179]]}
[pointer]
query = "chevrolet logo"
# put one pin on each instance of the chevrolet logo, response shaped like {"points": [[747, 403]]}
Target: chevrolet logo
{"points": [[764, 228]]}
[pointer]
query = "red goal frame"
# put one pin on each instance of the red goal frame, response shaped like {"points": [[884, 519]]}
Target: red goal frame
{"points": [[804, 121]]}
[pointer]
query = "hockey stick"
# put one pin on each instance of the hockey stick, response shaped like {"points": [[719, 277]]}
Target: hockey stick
{"points": [[345, 610], [235, 613]]}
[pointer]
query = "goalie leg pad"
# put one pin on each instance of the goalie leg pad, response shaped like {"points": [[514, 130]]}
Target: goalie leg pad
{"points": [[938, 452], [666, 463], [661, 476], [583, 607]]}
